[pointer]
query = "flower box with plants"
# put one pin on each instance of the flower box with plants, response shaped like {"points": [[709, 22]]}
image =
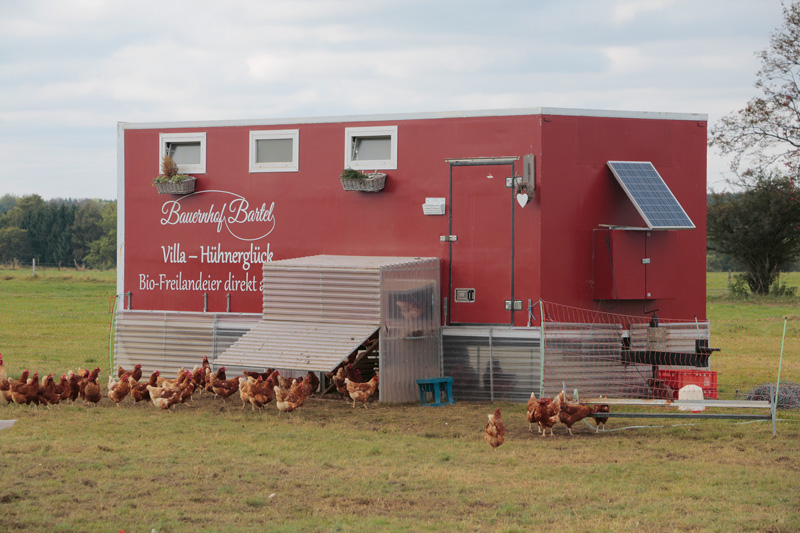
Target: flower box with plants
{"points": [[170, 181], [354, 180]]}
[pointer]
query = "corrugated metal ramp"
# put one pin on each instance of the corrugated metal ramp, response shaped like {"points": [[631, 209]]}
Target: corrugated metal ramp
{"points": [[298, 346]]}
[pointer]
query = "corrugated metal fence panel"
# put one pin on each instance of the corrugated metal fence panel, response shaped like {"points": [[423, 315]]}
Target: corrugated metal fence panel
{"points": [[168, 341], [670, 336], [230, 328], [327, 288], [587, 357], [492, 364], [344, 296], [410, 331]]}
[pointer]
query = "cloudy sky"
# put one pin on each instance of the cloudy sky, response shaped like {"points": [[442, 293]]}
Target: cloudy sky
{"points": [[70, 70]]}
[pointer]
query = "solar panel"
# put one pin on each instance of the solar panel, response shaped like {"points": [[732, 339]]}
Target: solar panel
{"points": [[650, 195]]}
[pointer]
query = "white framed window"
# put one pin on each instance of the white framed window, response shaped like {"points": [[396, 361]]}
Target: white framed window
{"points": [[372, 147], [188, 150], [274, 151]]}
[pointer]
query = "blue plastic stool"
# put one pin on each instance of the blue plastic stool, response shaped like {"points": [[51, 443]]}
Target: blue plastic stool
{"points": [[433, 385]]}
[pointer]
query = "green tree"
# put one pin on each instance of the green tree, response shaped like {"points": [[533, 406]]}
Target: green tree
{"points": [[86, 228], [759, 228], [14, 245], [31, 214], [49, 227], [13, 217], [718, 262], [7, 202], [103, 250], [62, 246], [766, 133]]}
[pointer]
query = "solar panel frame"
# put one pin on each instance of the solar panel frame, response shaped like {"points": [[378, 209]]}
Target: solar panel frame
{"points": [[650, 195]]}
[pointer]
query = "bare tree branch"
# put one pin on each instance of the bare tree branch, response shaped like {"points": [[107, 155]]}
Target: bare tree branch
{"points": [[766, 133]]}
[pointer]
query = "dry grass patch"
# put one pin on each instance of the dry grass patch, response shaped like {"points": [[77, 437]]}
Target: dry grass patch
{"points": [[388, 467]]}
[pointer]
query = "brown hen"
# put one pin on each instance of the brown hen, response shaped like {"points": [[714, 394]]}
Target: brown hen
{"points": [[495, 431], [361, 391], [571, 413]]}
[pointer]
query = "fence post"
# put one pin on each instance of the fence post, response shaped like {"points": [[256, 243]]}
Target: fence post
{"points": [[542, 347], [34, 267], [491, 367], [778, 382]]}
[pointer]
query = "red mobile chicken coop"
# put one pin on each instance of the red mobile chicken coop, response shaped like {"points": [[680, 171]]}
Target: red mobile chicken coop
{"points": [[481, 216]]}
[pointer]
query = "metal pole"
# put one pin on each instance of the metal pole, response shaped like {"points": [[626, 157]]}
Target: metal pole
{"points": [[530, 311], [541, 346], [214, 338], [450, 246], [491, 367], [778, 383], [441, 353], [513, 209], [111, 334]]}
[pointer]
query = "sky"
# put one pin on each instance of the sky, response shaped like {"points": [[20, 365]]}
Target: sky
{"points": [[71, 70]]}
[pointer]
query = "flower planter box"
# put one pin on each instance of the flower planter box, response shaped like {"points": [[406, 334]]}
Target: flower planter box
{"points": [[374, 183], [182, 187]]}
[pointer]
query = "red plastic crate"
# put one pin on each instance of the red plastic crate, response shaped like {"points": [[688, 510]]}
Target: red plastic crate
{"points": [[705, 379]]}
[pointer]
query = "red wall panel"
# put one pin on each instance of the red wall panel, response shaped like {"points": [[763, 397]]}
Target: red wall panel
{"points": [[578, 194], [169, 266]]}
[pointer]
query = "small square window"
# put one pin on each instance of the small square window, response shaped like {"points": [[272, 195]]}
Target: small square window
{"points": [[274, 151], [188, 150], [371, 148]]}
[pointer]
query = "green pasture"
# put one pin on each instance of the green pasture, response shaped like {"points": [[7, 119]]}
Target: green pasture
{"points": [[329, 467], [721, 305]]}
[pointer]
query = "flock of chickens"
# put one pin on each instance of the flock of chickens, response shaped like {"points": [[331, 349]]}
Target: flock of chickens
{"points": [[545, 413], [255, 388]]}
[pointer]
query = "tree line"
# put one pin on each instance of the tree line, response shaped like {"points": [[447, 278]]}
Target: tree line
{"points": [[59, 232]]}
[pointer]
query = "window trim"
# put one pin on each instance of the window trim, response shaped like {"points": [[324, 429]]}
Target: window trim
{"points": [[370, 131], [164, 138], [278, 166]]}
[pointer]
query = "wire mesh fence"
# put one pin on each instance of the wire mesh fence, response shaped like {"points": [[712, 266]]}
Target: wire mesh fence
{"points": [[596, 353], [750, 362], [625, 356]]}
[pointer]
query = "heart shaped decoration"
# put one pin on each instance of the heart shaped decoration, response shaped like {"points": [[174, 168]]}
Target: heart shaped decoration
{"points": [[522, 199]]}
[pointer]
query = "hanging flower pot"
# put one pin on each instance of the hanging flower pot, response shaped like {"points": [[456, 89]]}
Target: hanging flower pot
{"points": [[354, 180], [184, 186], [170, 181]]}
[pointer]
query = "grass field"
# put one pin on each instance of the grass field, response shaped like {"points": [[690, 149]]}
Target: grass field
{"points": [[721, 306], [333, 468]]}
